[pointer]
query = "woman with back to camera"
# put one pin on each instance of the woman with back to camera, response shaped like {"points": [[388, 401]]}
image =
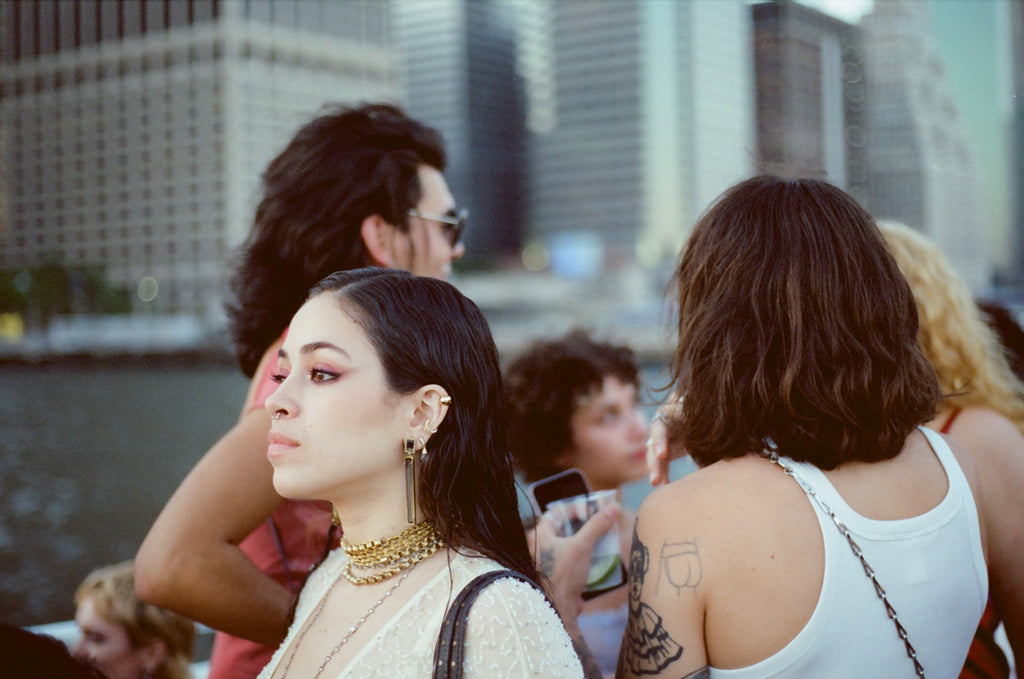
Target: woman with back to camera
{"points": [[125, 638], [983, 409], [803, 393], [356, 186], [389, 406], [572, 402]]}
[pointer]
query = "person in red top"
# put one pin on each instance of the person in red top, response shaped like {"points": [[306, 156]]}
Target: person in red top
{"points": [[356, 186], [983, 409]]}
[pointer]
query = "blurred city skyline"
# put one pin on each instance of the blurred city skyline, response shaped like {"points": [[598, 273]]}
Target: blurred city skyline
{"points": [[585, 137]]}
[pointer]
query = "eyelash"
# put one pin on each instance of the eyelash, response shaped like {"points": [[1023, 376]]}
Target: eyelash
{"points": [[326, 376], [313, 372]]}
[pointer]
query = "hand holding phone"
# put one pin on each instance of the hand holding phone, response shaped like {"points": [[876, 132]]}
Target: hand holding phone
{"points": [[567, 499], [569, 483]]}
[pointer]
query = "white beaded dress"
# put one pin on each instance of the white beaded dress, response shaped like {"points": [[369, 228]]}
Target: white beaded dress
{"points": [[512, 631]]}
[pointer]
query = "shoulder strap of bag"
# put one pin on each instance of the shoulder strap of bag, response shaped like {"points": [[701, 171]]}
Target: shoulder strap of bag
{"points": [[450, 649]]}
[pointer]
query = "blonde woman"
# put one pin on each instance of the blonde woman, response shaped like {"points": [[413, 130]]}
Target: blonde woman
{"points": [[125, 638], [983, 409]]}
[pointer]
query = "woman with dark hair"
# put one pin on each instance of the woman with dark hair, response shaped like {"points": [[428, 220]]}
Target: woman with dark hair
{"points": [[355, 187], [572, 403], [389, 406], [826, 532]]}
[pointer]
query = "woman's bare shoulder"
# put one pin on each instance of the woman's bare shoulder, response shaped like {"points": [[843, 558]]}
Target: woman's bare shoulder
{"points": [[710, 495], [989, 437]]}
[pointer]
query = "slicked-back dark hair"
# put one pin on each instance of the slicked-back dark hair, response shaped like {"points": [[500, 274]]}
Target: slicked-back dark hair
{"points": [[340, 168], [795, 327], [424, 332], [543, 387]]}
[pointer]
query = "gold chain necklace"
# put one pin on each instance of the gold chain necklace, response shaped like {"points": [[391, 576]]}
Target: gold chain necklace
{"points": [[394, 554]]}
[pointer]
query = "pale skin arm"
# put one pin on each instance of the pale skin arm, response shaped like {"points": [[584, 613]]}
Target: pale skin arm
{"points": [[667, 597], [190, 561], [997, 447], [565, 562]]}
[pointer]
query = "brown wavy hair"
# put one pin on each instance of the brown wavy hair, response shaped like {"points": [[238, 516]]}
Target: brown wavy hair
{"points": [[344, 165], [795, 330]]}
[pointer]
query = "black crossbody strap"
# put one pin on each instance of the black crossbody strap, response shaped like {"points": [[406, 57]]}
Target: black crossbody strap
{"points": [[450, 649]]}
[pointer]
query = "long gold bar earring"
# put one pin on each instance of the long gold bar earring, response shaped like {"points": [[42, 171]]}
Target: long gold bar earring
{"points": [[409, 448]]}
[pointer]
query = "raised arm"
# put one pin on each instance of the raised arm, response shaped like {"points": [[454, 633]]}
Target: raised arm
{"points": [[665, 632], [658, 454], [190, 561]]}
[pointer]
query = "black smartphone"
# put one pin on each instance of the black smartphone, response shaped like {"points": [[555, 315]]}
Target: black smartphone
{"points": [[569, 483], [607, 572]]}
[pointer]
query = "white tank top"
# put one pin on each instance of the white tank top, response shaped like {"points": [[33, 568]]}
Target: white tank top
{"points": [[932, 568]]}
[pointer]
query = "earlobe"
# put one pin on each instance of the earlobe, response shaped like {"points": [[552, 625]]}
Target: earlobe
{"points": [[154, 654], [377, 235]]}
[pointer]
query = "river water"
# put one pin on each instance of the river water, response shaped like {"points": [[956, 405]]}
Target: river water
{"points": [[89, 453]]}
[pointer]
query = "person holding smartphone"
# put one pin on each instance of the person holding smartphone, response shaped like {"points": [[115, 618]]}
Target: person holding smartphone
{"points": [[572, 404]]}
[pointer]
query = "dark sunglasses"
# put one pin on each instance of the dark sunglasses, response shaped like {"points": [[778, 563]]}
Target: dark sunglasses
{"points": [[451, 224]]}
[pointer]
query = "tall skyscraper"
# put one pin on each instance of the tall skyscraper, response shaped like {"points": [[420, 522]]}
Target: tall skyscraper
{"points": [[921, 168], [1016, 125], [640, 113], [459, 63], [810, 95], [136, 131]]}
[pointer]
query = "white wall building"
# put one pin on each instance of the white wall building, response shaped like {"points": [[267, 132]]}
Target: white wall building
{"points": [[136, 131], [922, 170]]}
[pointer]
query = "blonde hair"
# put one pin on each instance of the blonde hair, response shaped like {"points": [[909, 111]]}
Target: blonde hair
{"points": [[967, 355], [112, 590]]}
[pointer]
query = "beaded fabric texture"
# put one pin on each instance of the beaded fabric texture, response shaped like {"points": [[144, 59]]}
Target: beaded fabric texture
{"points": [[512, 631], [344, 640]]}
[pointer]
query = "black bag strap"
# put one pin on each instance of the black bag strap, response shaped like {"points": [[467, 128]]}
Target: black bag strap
{"points": [[450, 649]]}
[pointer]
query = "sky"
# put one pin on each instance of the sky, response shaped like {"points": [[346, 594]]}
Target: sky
{"points": [[848, 10]]}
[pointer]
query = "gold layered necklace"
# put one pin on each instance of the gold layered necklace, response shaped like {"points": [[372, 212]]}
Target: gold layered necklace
{"points": [[387, 557], [392, 556]]}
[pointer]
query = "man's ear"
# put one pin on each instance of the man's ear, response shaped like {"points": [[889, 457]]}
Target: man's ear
{"points": [[378, 236]]}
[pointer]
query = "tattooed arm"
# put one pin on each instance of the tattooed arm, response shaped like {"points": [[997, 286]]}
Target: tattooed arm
{"points": [[665, 632]]}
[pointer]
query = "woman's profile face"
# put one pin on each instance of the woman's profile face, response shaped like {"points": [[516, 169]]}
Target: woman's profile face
{"points": [[339, 427], [105, 644]]}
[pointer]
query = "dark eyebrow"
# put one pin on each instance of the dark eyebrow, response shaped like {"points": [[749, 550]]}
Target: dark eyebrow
{"points": [[321, 344], [313, 346]]}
